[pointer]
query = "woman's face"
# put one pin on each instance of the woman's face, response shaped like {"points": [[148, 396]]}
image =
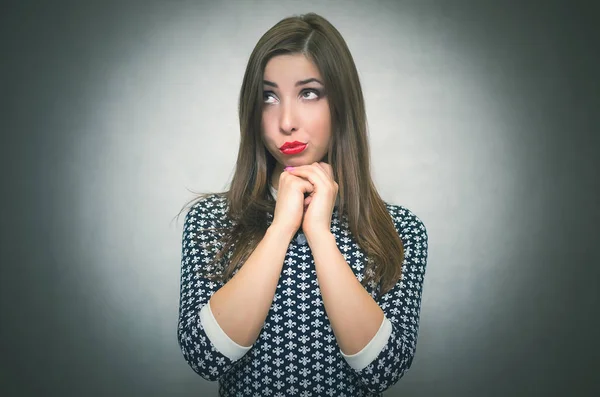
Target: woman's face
{"points": [[295, 108]]}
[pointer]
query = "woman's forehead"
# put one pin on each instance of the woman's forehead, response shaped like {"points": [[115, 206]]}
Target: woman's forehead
{"points": [[290, 68]]}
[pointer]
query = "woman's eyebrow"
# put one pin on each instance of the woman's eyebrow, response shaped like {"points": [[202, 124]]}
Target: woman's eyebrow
{"points": [[301, 82]]}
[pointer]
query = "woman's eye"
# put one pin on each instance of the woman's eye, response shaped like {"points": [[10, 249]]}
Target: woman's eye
{"points": [[310, 94], [268, 97]]}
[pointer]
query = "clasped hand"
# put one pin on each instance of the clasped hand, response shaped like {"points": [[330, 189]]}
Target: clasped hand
{"points": [[320, 202]]}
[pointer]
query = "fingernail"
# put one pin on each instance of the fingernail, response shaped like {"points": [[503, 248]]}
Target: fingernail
{"points": [[288, 168]]}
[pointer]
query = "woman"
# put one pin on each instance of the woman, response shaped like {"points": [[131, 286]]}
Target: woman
{"points": [[300, 279]]}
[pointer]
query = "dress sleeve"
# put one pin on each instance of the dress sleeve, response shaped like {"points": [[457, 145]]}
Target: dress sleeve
{"points": [[205, 347], [396, 339]]}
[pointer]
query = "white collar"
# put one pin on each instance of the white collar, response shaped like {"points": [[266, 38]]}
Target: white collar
{"points": [[273, 192]]}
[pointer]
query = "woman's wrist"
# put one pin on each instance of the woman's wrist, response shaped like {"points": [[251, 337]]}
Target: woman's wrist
{"points": [[281, 230], [319, 234]]}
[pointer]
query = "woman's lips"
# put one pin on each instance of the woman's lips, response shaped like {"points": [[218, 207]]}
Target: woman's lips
{"points": [[293, 150]]}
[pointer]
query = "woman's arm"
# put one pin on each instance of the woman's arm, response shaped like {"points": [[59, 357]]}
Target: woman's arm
{"points": [[379, 352], [354, 315], [241, 306]]}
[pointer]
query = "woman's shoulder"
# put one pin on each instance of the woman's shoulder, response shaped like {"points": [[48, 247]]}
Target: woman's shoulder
{"points": [[209, 200], [208, 206], [405, 220]]}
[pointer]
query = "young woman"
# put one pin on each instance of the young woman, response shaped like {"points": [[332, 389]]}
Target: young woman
{"points": [[300, 279]]}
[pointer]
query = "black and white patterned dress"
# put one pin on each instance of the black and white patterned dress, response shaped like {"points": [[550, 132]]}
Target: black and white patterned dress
{"points": [[296, 353]]}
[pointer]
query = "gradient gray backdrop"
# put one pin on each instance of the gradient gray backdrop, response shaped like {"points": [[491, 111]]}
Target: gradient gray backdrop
{"points": [[483, 121]]}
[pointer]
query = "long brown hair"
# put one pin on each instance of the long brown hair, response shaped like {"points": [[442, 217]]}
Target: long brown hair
{"points": [[248, 197]]}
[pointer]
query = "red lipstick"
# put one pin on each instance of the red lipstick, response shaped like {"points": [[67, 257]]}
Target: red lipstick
{"points": [[292, 147]]}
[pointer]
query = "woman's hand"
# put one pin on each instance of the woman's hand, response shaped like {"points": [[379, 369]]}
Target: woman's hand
{"points": [[289, 207], [321, 200]]}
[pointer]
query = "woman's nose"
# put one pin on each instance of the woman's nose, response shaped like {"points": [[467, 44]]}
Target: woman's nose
{"points": [[287, 118]]}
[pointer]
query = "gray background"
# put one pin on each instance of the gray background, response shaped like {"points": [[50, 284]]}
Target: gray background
{"points": [[483, 121]]}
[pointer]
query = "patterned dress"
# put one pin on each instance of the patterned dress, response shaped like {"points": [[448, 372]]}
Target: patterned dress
{"points": [[296, 353]]}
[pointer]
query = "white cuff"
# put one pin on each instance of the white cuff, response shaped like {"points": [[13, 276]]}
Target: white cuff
{"points": [[222, 342], [370, 352]]}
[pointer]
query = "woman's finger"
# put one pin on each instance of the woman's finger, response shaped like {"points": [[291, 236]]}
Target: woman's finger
{"points": [[327, 168], [305, 185], [315, 175], [307, 200]]}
